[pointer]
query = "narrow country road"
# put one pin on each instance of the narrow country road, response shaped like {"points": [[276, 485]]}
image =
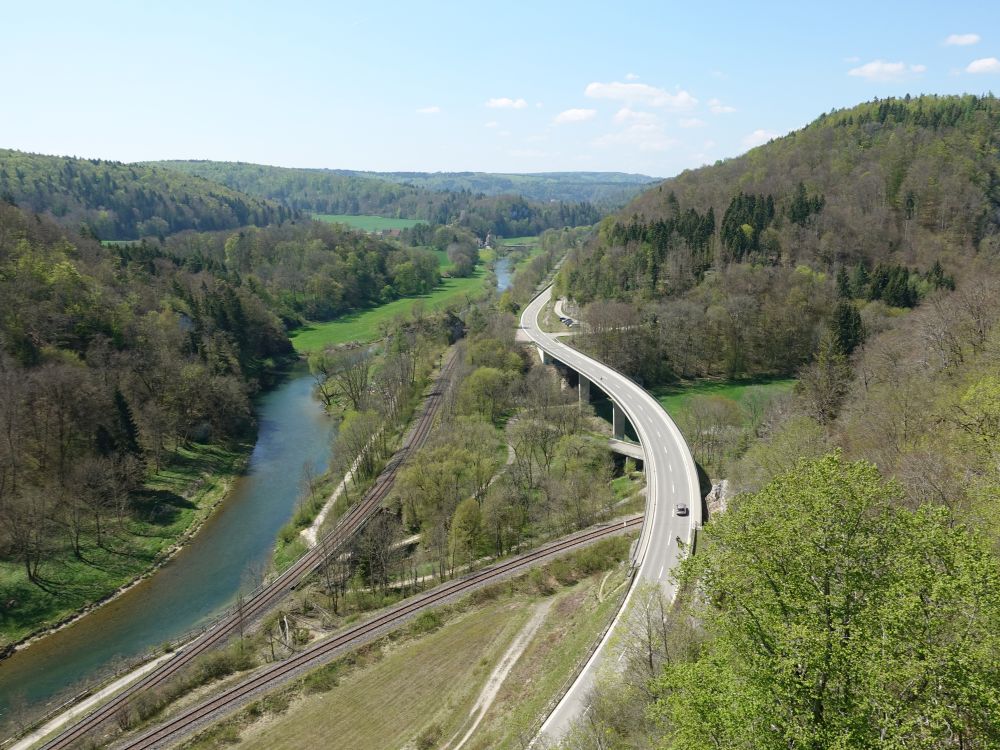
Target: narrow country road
{"points": [[671, 478]]}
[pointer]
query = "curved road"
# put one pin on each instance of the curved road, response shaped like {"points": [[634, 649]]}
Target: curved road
{"points": [[671, 477]]}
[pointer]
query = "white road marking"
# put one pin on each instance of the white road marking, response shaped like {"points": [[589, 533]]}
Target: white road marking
{"points": [[673, 488], [660, 576]]}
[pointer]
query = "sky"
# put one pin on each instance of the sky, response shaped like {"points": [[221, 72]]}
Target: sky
{"points": [[646, 87]]}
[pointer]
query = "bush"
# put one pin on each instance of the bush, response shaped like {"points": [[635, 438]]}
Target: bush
{"points": [[322, 680]]}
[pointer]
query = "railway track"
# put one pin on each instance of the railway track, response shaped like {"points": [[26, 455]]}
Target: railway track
{"points": [[261, 601], [323, 651]]}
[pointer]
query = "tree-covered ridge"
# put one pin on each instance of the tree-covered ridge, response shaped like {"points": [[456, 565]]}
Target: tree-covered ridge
{"points": [[309, 269], [606, 189], [325, 191], [116, 201], [914, 176], [882, 204]]}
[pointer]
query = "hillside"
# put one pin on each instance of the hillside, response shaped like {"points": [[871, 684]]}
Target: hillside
{"points": [[915, 180], [606, 189], [738, 265], [324, 191], [116, 201]]}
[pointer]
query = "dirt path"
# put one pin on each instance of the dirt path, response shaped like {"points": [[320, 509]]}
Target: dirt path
{"points": [[496, 679]]}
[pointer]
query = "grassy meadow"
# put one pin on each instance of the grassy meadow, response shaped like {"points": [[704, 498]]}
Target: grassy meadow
{"points": [[676, 399], [366, 325], [368, 223]]}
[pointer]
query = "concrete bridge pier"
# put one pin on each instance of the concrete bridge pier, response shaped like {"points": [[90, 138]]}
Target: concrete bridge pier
{"points": [[584, 389], [546, 359], [617, 422]]}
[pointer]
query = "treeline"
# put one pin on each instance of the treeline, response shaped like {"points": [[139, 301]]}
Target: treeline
{"points": [[604, 189], [861, 201], [111, 361], [114, 201], [309, 269], [905, 180], [512, 463], [331, 192]]}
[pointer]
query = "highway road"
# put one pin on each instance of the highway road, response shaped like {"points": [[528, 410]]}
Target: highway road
{"points": [[671, 477]]}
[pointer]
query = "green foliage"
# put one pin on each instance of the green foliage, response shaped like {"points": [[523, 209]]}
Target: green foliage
{"points": [[111, 200], [744, 223], [836, 618], [310, 269], [847, 328]]}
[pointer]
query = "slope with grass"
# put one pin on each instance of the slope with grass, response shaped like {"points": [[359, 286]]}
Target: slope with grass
{"points": [[368, 325], [453, 651], [368, 223]]}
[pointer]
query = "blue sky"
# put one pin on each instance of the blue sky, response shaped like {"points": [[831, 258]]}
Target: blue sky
{"points": [[652, 87]]}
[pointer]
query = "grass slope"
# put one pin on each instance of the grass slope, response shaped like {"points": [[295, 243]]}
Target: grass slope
{"points": [[676, 398], [368, 223], [365, 325], [431, 673]]}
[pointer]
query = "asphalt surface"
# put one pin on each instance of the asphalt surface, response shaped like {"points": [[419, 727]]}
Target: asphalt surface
{"points": [[671, 478]]}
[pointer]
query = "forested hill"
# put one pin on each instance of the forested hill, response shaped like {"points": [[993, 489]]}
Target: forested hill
{"points": [[606, 189], [883, 202], [115, 201], [326, 191], [914, 180]]}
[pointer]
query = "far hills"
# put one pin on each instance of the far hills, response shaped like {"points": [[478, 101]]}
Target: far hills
{"points": [[603, 189], [116, 201], [508, 205]]}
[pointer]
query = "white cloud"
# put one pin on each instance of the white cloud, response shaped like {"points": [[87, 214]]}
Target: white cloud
{"points": [[880, 70], [642, 130], [718, 108], [626, 115], [504, 102], [961, 40], [852, 59], [984, 65], [631, 77], [493, 124], [758, 137], [574, 115], [641, 93], [432, 110], [690, 122]]}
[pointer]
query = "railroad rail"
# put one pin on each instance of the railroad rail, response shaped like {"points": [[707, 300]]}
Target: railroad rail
{"points": [[260, 602], [324, 651]]}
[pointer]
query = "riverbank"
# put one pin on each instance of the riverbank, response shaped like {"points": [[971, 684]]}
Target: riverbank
{"points": [[226, 552], [191, 489]]}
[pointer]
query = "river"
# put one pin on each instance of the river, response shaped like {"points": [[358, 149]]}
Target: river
{"points": [[204, 578], [201, 580], [503, 271]]}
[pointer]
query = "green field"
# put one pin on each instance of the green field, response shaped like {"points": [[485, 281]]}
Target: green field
{"points": [[519, 241], [365, 325], [368, 223], [675, 398]]}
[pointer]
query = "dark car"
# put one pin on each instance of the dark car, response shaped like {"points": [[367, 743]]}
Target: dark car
{"points": [[681, 509]]}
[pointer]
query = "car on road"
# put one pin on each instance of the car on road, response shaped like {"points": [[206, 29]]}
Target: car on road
{"points": [[681, 509]]}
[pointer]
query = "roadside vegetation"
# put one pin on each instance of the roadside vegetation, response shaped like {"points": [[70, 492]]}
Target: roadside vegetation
{"points": [[844, 593]]}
